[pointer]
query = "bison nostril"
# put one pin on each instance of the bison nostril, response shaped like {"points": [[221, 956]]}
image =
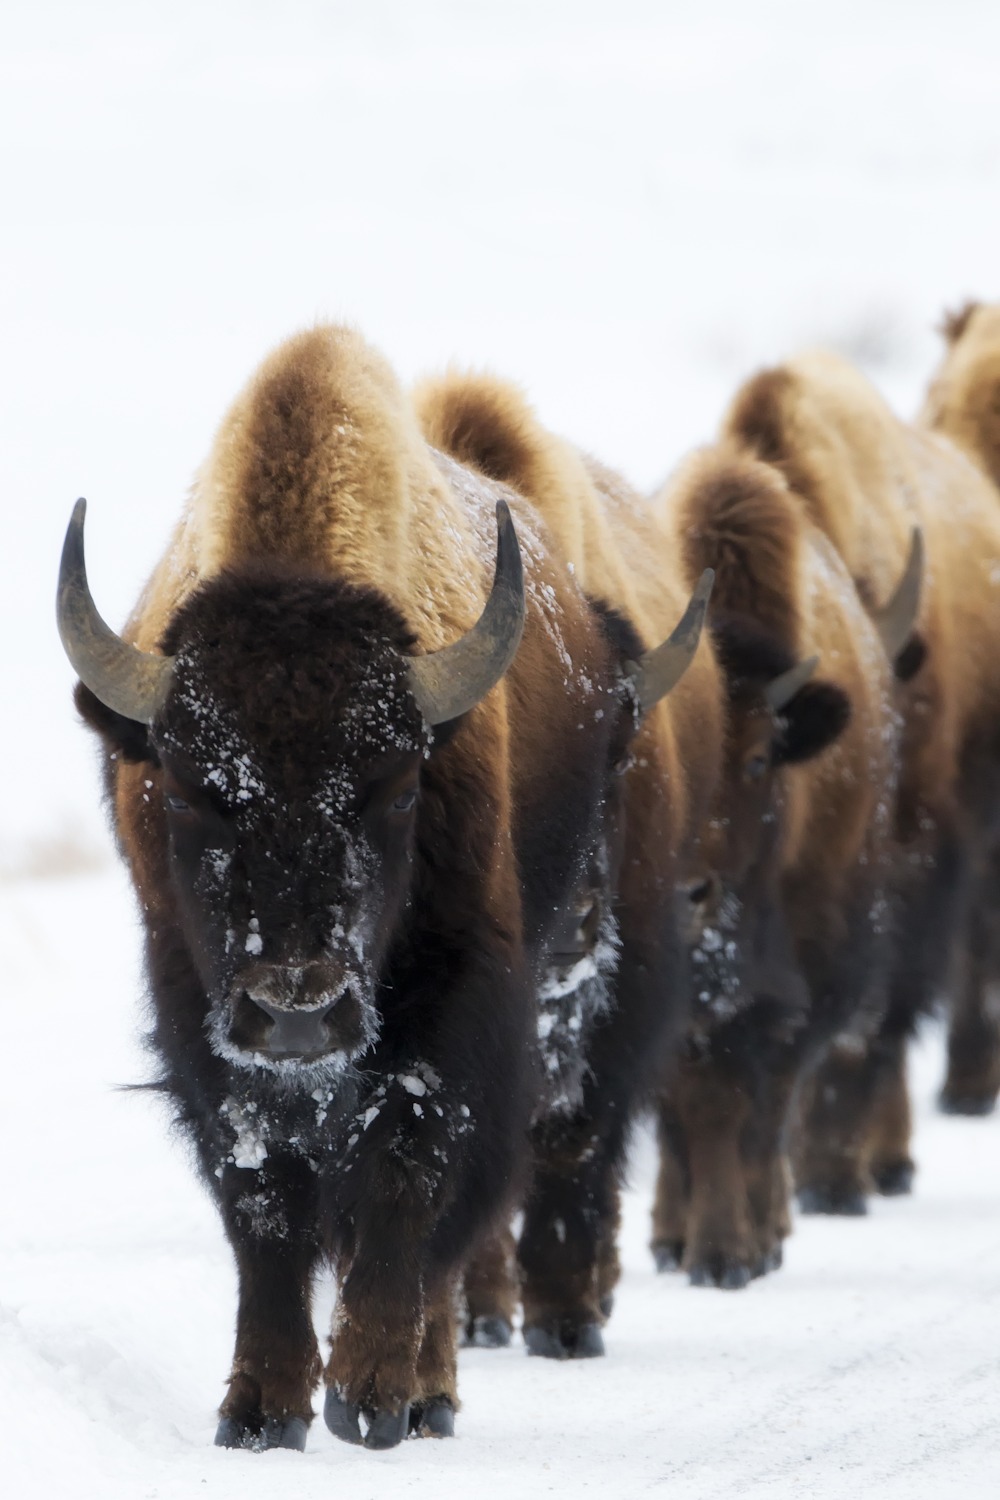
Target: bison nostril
{"points": [[251, 1024], [699, 893]]}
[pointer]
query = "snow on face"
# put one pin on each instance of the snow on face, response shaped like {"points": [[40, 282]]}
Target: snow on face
{"points": [[280, 863], [571, 998], [719, 987]]}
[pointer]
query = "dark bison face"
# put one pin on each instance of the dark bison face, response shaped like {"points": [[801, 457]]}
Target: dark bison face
{"points": [[291, 751], [778, 716]]}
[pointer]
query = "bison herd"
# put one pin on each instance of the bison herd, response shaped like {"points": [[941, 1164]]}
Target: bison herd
{"points": [[476, 804]]}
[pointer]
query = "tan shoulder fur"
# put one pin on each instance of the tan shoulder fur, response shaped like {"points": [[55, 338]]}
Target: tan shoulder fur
{"points": [[320, 463]]}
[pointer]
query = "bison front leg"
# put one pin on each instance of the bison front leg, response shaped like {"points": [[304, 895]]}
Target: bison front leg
{"points": [[394, 1339], [432, 1411], [673, 1189], [378, 1332], [973, 1079], [768, 1180], [720, 1247], [393, 1373], [849, 1109], [566, 1249], [492, 1292], [890, 1163], [276, 1365]]}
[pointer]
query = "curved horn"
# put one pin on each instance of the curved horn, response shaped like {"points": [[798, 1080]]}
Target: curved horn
{"points": [[662, 668], [130, 682], [895, 620], [449, 682], [781, 690]]}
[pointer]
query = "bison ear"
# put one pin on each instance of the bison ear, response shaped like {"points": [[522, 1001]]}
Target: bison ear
{"points": [[124, 736], [816, 716]]}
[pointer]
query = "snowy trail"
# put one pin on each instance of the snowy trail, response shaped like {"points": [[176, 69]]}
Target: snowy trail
{"points": [[628, 209], [868, 1365]]}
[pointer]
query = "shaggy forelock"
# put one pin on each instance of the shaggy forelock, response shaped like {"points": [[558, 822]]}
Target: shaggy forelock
{"points": [[291, 664]]}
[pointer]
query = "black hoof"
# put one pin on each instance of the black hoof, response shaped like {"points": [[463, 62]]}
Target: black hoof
{"points": [[771, 1261], [387, 1429], [490, 1333], [729, 1277], [436, 1419], [848, 1202], [668, 1257], [967, 1104], [342, 1418], [544, 1344], [383, 1429], [258, 1437], [584, 1341], [589, 1342], [895, 1179]]}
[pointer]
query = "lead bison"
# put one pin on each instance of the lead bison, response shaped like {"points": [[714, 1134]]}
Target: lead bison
{"points": [[351, 845]]}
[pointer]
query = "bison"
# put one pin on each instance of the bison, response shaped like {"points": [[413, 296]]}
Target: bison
{"points": [[615, 975], [788, 907], [352, 845], [963, 404], [866, 479]]}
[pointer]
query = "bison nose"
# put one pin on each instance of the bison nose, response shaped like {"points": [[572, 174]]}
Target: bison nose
{"points": [[698, 906], [278, 1031], [700, 892], [288, 1013]]}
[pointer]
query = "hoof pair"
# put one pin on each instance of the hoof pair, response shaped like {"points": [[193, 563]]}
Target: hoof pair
{"points": [[966, 1102], [350, 1423], [566, 1341], [386, 1429], [893, 1179], [260, 1436], [719, 1271]]}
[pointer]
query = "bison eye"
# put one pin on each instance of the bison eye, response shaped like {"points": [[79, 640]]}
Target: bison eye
{"points": [[176, 804], [405, 801], [755, 767]]}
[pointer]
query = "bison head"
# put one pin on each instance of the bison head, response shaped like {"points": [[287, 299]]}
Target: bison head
{"points": [[779, 715], [286, 728]]}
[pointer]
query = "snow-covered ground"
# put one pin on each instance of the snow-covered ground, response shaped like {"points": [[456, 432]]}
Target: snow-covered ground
{"points": [[627, 207]]}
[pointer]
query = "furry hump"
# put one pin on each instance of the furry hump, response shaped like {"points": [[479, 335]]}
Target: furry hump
{"points": [[488, 424], [964, 398], [836, 442], [736, 515], [319, 464]]}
